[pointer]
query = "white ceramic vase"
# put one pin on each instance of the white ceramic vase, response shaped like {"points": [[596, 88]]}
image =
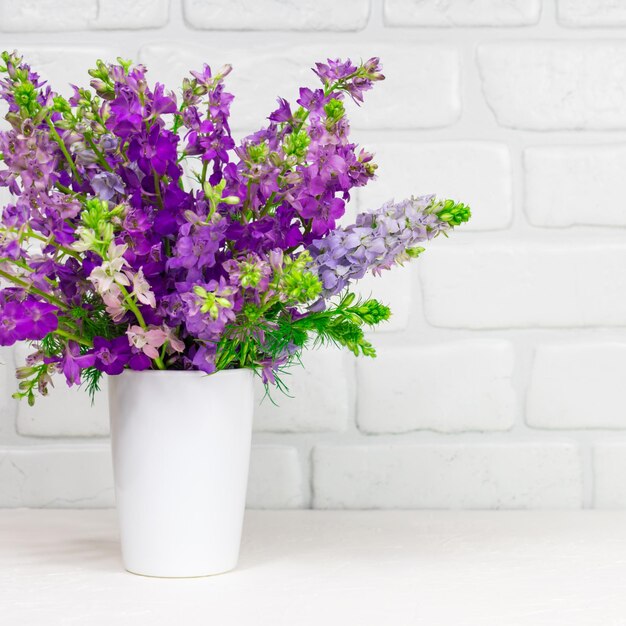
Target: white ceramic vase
{"points": [[181, 448]]}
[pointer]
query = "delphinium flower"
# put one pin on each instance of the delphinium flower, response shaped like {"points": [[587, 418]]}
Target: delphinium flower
{"points": [[113, 260], [380, 239]]}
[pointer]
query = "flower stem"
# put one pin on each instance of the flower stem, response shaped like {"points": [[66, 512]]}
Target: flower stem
{"points": [[72, 337], [137, 313], [99, 155], [49, 242], [32, 289], [66, 154], [157, 189]]}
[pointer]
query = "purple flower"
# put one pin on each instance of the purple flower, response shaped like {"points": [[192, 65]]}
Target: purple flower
{"points": [[197, 245], [37, 319], [282, 113], [11, 323], [334, 70], [73, 362], [378, 240], [204, 358], [126, 114], [200, 276], [156, 151], [107, 185], [111, 355]]}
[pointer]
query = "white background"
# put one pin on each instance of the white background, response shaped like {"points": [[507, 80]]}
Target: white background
{"points": [[500, 381]]}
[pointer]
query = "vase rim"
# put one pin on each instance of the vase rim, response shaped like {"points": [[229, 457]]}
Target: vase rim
{"points": [[187, 372]]}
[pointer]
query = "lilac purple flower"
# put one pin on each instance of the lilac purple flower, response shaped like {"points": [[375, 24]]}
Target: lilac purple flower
{"points": [[115, 261]]}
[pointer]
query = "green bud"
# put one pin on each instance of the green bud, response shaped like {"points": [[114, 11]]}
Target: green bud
{"points": [[348, 299], [25, 96], [259, 152], [453, 213], [372, 312], [413, 253], [334, 111], [297, 144], [22, 373]]}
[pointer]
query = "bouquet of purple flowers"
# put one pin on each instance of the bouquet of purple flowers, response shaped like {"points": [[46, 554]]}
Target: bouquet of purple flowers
{"points": [[114, 258]]}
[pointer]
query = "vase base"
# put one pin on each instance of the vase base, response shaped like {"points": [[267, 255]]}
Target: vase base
{"points": [[174, 576]]}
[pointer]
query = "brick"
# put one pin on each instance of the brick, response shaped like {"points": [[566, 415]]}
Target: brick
{"points": [[578, 385], [568, 185], [62, 65], [275, 480], [309, 15], [555, 85], [321, 395], [46, 15], [462, 12], [456, 170], [123, 15], [591, 13], [485, 476], [524, 284], [56, 477], [395, 289], [417, 383], [65, 412], [400, 102], [7, 388], [609, 469]]}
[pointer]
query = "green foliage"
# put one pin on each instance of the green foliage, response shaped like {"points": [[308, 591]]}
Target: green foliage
{"points": [[258, 152], [334, 110], [296, 144], [296, 281], [34, 377], [92, 378], [278, 335], [454, 213]]}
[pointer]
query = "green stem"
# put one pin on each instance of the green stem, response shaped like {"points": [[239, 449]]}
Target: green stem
{"points": [[63, 147], [99, 155], [64, 189], [205, 167], [137, 313], [32, 289], [47, 241], [72, 337], [157, 189]]}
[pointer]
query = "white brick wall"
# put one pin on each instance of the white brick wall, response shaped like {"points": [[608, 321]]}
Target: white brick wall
{"points": [[578, 385], [484, 476], [500, 377], [416, 381], [609, 465], [589, 13], [555, 85], [526, 284], [462, 12], [455, 170], [570, 185], [320, 396], [308, 15]]}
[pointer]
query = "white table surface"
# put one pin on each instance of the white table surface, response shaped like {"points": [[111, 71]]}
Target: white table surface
{"points": [[325, 568]]}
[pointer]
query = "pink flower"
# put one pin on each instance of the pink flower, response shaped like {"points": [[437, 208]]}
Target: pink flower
{"points": [[174, 342], [142, 289], [110, 272], [114, 302], [147, 340]]}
